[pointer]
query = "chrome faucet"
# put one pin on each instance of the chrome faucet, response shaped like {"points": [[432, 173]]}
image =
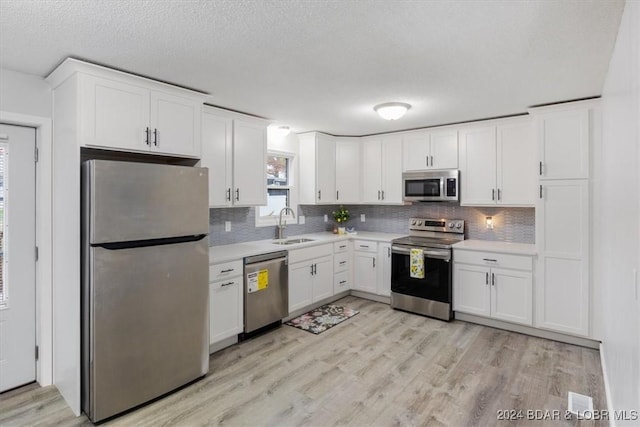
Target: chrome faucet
{"points": [[281, 227]]}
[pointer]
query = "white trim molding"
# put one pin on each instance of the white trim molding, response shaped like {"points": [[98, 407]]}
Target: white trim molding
{"points": [[44, 290]]}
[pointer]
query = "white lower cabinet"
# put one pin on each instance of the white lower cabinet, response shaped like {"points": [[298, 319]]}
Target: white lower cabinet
{"points": [[225, 301], [494, 285], [372, 267], [342, 266], [310, 276]]}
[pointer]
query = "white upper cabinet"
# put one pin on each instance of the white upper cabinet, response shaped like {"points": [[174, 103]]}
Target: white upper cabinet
{"points": [[516, 170], [430, 150], [478, 166], [120, 115], [497, 164], [563, 138], [176, 124], [317, 169], [382, 170], [347, 170], [235, 151]]}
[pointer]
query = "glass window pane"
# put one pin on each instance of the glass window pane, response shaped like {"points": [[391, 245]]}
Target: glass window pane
{"points": [[276, 200], [277, 170]]}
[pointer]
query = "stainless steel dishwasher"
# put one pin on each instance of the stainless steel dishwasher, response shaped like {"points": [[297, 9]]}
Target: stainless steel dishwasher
{"points": [[266, 290]]}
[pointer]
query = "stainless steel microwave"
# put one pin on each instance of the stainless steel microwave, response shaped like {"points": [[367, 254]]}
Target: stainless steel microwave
{"points": [[432, 186]]}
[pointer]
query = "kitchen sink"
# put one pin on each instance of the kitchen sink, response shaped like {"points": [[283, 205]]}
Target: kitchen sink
{"points": [[292, 241]]}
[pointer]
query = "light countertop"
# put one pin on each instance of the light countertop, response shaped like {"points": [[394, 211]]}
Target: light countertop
{"points": [[236, 251], [493, 246]]}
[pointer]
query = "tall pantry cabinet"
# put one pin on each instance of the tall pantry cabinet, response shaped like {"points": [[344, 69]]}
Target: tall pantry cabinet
{"points": [[565, 134]]}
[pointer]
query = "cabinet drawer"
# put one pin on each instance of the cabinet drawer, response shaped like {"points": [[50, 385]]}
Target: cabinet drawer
{"points": [[226, 283], [366, 246], [341, 282], [225, 270], [341, 262], [310, 253], [492, 259], [339, 247]]}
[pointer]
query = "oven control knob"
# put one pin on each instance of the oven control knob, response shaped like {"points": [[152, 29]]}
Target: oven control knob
{"points": [[450, 225], [413, 222], [458, 225]]}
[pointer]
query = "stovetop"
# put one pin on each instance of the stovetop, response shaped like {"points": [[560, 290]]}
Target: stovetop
{"points": [[425, 242], [433, 233]]}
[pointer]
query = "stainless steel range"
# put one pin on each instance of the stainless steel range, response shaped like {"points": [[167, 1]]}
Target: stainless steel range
{"points": [[421, 267]]}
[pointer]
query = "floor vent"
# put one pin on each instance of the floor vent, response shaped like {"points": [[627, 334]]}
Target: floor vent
{"points": [[579, 404]]}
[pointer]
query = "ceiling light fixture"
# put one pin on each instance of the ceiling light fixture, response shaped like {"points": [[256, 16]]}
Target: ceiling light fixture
{"points": [[391, 110]]}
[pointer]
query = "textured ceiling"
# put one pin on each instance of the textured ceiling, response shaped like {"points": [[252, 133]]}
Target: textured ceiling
{"points": [[323, 65]]}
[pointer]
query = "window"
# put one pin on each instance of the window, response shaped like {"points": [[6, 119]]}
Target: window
{"points": [[279, 189]]}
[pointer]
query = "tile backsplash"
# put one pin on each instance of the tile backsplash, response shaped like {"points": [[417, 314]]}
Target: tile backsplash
{"points": [[510, 224]]}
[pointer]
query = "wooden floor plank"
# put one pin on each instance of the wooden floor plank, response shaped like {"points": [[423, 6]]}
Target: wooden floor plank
{"points": [[382, 367]]}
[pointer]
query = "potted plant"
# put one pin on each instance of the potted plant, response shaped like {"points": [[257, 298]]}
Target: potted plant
{"points": [[341, 216]]}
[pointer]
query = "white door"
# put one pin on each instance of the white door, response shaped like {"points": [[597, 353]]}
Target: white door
{"points": [[415, 149], [516, 176], [371, 171], [471, 293], [115, 115], [176, 125], [249, 163], [325, 170], [300, 285], [365, 276], [217, 145], [511, 296], [348, 171], [17, 256], [384, 272], [444, 150], [478, 166], [391, 169], [323, 279], [225, 305]]}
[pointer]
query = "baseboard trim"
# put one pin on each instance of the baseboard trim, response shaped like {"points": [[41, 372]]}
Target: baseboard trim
{"points": [[372, 297], [219, 345], [607, 388], [528, 330]]}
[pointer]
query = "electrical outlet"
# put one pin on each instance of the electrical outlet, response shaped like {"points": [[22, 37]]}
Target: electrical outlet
{"points": [[362, 218], [301, 219], [227, 226], [326, 218]]}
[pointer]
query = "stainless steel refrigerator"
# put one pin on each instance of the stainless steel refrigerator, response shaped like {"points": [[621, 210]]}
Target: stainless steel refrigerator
{"points": [[145, 295]]}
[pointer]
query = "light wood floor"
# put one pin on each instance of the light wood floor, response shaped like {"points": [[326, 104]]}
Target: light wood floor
{"points": [[380, 368]]}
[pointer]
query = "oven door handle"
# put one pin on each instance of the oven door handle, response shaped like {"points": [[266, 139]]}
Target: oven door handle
{"points": [[438, 254]]}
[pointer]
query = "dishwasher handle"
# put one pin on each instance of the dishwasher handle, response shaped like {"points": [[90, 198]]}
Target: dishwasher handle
{"points": [[265, 257]]}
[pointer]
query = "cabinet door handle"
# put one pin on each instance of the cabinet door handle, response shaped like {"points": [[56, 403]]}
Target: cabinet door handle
{"points": [[499, 194], [342, 282], [378, 194], [146, 136], [343, 246], [364, 246], [382, 194], [486, 278], [311, 266], [237, 194], [319, 194], [493, 194], [489, 259], [389, 252], [541, 191], [374, 262], [315, 269], [343, 262], [427, 158], [228, 194], [431, 161], [228, 270], [493, 279], [540, 168], [228, 284], [155, 138], [337, 195]]}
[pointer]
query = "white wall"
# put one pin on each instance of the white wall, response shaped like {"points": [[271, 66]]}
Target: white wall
{"points": [[617, 217], [24, 94]]}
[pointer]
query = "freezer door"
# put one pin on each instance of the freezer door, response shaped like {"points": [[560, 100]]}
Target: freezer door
{"points": [[149, 323], [130, 201]]}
